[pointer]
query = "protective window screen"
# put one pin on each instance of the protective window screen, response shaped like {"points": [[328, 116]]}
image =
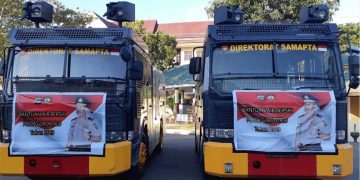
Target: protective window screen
{"points": [[97, 63], [296, 66], [304, 62], [38, 62], [226, 61]]}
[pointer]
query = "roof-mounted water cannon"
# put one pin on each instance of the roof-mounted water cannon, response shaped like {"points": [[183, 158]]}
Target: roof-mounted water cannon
{"points": [[121, 11], [228, 15], [38, 12], [314, 14]]}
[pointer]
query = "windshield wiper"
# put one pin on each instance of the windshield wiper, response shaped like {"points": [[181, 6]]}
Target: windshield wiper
{"points": [[250, 89], [311, 87], [240, 75]]}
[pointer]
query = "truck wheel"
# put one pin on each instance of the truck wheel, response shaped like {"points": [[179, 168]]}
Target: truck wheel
{"points": [[159, 147], [196, 143], [143, 155], [137, 171]]}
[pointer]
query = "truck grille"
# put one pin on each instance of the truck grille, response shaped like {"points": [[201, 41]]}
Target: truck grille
{"points": [[269, 31], [110, 86], [53, 34], [270, 83]]}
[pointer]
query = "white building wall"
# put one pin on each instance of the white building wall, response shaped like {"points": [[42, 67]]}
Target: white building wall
{"points": [[185, 58]]}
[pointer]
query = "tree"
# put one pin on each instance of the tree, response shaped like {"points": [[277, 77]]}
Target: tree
{"points": [[270, 10], [138, 27], [11, 13], [354, 30], [162, 47], [66, 17]]}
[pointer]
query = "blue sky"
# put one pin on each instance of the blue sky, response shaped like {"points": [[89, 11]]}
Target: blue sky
{"points": [[167, 11]]}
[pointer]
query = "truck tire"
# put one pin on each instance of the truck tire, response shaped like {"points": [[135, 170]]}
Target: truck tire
{"points": [[159, 147]]}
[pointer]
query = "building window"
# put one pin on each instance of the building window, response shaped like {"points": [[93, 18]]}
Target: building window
{"points": [[178, 56], [187, 55]]}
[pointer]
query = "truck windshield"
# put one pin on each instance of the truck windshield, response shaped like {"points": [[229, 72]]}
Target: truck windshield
{"points": [[263, 67], [38, 62], [88, 62], [97, 63]]}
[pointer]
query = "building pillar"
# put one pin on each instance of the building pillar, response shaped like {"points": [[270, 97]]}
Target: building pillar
{"points": [[176, 102]]}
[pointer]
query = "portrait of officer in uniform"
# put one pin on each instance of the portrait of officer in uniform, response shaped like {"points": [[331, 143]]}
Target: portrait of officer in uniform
{"points": [[84, 129], [312, 127]]}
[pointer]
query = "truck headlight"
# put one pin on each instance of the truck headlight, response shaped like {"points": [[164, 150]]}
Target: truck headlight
{"points": [[340, 134], [6, 135], [115, 135], [221, 133], [130, 135]]}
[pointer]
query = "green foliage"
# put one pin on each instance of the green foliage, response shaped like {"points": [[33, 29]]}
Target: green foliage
{"points": [[137, 26], [162, 47], [288, 10], [270, 10], [354, 30], [11, 13], [170, 102]]}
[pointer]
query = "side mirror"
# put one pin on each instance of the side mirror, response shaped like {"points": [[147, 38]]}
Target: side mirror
{"points": [[136, 70], [1, 67], [354, 62], [194, 67], [354, 82], [125, 54]]}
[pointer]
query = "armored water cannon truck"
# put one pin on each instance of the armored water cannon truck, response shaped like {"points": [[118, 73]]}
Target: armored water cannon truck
{"points": [[78, 101], [271, 99]]}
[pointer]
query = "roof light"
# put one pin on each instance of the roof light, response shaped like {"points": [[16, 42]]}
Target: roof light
{"points": [[120, 11], [314, 14], [237, 17], [38, 12], [322, 14], [228, 15]]}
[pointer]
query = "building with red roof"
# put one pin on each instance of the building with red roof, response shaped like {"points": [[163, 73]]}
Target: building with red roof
{"points": [[188, 35]]}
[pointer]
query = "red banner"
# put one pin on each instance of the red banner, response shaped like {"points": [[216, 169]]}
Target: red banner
{"points": [[58, 123], [284, 121]]}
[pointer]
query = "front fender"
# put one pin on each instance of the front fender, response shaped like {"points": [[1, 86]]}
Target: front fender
{"points": [[135, 146]]}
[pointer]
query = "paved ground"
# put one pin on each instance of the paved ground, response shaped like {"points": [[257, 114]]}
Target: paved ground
{"points": [[356, 172], [178, 160]]}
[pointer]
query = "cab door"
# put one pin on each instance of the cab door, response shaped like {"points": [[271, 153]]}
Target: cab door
{"points": [[150, 115], [156, 112]]}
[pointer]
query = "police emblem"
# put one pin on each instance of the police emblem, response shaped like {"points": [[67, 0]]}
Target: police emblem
{"points": [[225, 48], [47, 100], [270, 97], [38, 100], [261, 98]]}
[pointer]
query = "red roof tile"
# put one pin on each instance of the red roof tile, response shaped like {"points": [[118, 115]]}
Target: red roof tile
{"points": [[179, 30], [150, 26], [185, 29]]}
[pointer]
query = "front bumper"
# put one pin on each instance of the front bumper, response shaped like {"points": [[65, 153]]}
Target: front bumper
{"points": [[117, 159], [216, 155]]}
